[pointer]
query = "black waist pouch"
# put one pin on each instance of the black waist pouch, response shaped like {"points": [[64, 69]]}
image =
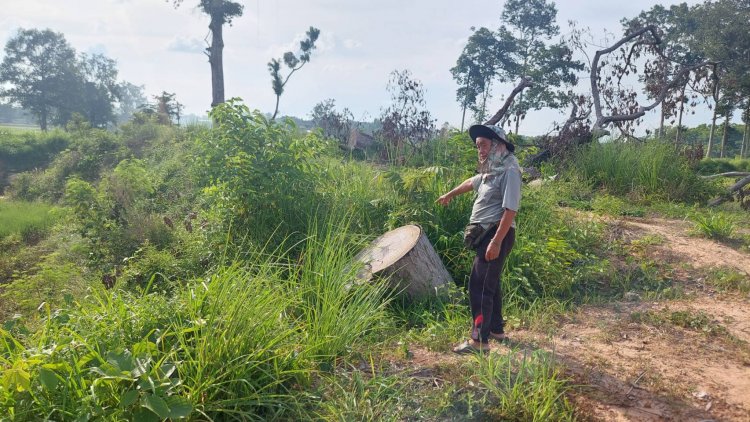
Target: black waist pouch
{"points": [[474, 234]]}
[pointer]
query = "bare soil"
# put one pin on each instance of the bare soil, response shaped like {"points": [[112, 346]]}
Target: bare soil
{"points": [[628, 367]]}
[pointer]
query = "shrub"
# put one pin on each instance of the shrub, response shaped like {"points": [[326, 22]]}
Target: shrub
{"points": [[28, 150], [89, 154], [259, 176]]}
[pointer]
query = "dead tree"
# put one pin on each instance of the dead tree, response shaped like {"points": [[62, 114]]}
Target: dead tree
{"points": [[221, 12], [644, 37], [734, 189], [526, 82]]}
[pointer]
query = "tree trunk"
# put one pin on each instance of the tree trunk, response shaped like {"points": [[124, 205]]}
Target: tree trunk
{"points": [[724, 136], [713, 120], [734, 188], [518, 116], [727, 174], [276, 110], [745, 138], [525, 82], [679, 119], [215, 58], [43, 119], [661, 122], [463, 117], [711, 135], [409, 262]]}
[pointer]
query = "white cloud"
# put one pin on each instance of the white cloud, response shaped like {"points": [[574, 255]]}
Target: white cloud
{"points": [[97, 49], [359, 44], [186, 45], [351, 44]]}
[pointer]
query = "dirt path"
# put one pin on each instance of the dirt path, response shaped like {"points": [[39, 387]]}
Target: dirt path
{"points": [[696, 251], [671, 360]]}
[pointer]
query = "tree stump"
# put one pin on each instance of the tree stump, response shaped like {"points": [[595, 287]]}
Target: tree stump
{"points": [[406, 257]]}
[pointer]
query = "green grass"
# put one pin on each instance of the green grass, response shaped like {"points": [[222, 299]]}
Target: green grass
{"points": [[28, 219], [650, 170], [524, 388], [713, 225], [286, 332], [722, 165], [694, 321], [729, 280]]}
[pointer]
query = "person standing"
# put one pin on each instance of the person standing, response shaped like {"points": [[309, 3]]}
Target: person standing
{"points": [[491, 230]]}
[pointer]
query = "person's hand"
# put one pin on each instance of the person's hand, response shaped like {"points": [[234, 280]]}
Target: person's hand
{"points": [[493, 251], [444, 199]]}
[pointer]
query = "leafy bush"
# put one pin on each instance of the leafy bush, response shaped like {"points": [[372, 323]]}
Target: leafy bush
{"points": [[90, 153], [27, 150], [47, 283], [453, 149], [259, 176], [608, 204]]}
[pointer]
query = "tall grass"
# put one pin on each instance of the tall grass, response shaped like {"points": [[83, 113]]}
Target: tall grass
{"points": [[654, 169], [241, 344], [337, 309]]}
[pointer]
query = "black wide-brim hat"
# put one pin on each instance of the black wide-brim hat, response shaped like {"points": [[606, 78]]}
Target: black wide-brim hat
{"points": [[490, 132]]}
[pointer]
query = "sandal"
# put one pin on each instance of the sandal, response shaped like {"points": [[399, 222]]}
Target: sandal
{"points": [[468, 347], [498, 336]]}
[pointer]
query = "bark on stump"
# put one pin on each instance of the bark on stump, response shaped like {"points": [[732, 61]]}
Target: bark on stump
{"points": [[406, 257]]}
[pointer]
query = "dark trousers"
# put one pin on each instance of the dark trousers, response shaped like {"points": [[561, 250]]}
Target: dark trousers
{"points": [[484, 288]]}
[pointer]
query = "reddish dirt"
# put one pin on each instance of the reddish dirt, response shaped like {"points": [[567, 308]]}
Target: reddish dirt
{"points": [[696, 251], [628, 368]]}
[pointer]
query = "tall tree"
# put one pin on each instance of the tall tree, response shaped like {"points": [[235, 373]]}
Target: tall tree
{"points": [[479, 64], [129, 98], [40, 68], [221, 12], [746, 130], [530, 26], [675, 25], [292, 62], [334, 124], [722, 37], [99, 89]]}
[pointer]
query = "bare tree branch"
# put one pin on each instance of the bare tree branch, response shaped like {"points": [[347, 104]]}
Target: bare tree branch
{"points": [[728, 174], [526, 82], [574, 116], [601, 119]]}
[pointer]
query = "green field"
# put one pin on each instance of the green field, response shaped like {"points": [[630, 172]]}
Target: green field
{"points": [[24, 217], [13, 128]]}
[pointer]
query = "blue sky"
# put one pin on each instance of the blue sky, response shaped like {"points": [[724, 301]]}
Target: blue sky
{"points": [[361, 43]]}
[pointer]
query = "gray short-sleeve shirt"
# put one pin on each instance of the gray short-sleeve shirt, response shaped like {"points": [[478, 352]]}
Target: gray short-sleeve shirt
{"points": [[495, 193]]}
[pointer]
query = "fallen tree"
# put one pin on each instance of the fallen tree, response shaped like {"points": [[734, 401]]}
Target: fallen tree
{"points": [[727, 174], [735, 189]]}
